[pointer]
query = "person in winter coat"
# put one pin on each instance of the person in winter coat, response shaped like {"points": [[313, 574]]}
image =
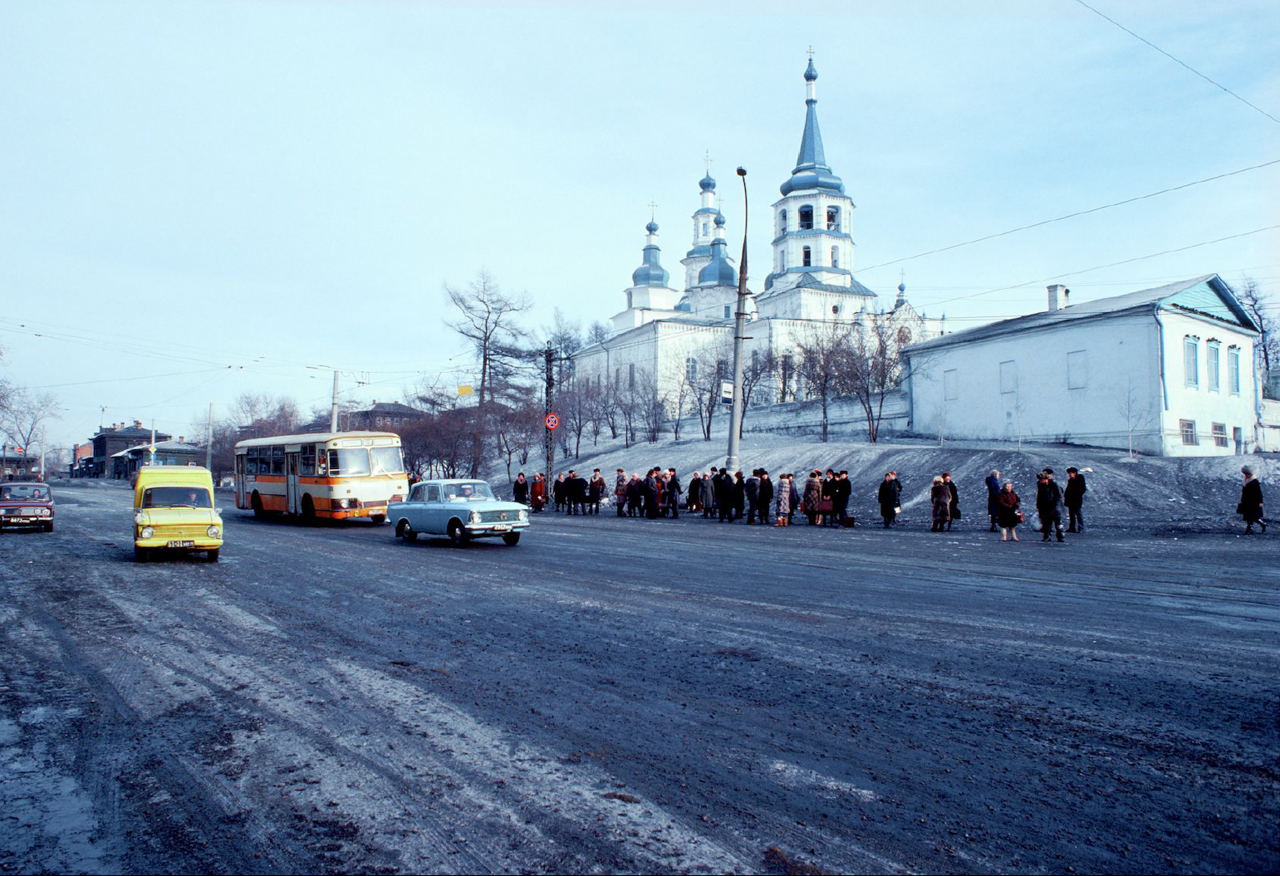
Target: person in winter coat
{"points": [[635, 495], [1073, 498], [993, 497], [1250, 507], [940, 498], [827, 517], [1008, 511], [812, 496], [1049, 505], [652, 494], [751, 493], [672, 494], [764, 497], [840, 495], [620, 491], [739, 495], [724, 495], [953, 507], [575, 493], [708, 494], [520, 490], [693, 501], [558, 491], [795, 496], [784, 500], [887, 497], [538, 493]]}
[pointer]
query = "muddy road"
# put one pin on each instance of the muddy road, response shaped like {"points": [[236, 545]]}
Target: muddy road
{"points": [[620, 695]]}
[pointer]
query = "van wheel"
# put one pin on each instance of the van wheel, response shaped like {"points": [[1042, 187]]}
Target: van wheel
{"points": [[141, 554], [457, 534], [211, 555], [511, 539], [308, 511], [405, 531], [256, 502]]}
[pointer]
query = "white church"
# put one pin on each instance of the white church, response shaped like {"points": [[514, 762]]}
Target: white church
{"points": [[666, 335]]}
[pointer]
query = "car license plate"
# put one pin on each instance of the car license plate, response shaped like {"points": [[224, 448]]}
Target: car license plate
{"points": [[181, 544], [503, 528]]}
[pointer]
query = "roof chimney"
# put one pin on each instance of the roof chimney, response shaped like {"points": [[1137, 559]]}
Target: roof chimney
{"points": [[1053, 296], [137, 424]]}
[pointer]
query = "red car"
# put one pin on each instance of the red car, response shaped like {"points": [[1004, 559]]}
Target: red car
{"points": [[26, 504]]}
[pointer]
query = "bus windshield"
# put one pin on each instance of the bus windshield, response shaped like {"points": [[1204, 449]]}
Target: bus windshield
{"points": [[472, 491], [349, 462], [176, 497], [386, 460]]}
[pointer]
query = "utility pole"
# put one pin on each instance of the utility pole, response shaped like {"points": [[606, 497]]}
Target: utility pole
{"points": [[739, 332], [44, 435], [550, 357], [333, 412], [208, 441]]}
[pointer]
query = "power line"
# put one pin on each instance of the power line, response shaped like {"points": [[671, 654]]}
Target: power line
{"points": [[1074, 215], [1177, 61]]}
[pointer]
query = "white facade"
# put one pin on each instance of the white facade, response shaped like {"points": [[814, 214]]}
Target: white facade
{"points": [[1169, 369]]}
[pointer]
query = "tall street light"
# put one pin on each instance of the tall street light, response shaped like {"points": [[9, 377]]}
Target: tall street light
{"points": [[739, 332]]}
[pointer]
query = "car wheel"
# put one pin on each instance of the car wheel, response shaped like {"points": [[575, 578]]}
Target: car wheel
{"points": [[211, 555], [405, 531], [379, 519], [48, 527], [141, 554], [256, 503], [511, 539], [457, 534]]}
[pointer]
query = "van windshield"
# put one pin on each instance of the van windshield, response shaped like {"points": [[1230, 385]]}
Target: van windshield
{"points": [[176, 497]]}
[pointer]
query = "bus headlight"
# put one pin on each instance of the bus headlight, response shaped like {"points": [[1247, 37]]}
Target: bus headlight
{"points": [[475, 517], [147, 532], [214, 532], [344, 503]]}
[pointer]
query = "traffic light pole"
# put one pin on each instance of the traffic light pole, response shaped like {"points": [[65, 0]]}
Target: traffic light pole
{"points": [[549, 357]]}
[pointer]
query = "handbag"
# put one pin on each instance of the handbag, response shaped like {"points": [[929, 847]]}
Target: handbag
{"points": [[1021, 517], [825, 506], [955, 514], [897, 509]]}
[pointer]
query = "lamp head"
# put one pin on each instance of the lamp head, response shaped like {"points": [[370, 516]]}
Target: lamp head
{"points": [[742, 171]]}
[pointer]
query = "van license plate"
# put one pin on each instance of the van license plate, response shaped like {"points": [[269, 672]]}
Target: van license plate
{"points": [[181, 544]]}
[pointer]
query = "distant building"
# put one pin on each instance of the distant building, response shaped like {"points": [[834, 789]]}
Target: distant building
{"points": [[378, 417], [110, 440], [15, 466], [125, 463], [1170, 369]]}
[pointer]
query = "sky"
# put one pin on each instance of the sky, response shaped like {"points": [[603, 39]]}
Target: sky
{"points": [[202, 199]]}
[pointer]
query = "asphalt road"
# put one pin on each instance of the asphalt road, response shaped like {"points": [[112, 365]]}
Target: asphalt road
{"points": [[623, 695]]}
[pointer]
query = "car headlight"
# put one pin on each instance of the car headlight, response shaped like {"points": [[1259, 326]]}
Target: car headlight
{"points": [[43, 512], [147, 532], [214, 532], [475, 517], [524, 515]]}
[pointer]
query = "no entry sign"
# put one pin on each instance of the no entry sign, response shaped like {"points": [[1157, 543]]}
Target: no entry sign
{"points": [[553, 422]]}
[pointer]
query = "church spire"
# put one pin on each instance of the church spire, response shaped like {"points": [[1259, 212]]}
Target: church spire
{"points": [[812, 170], [651, 273]]}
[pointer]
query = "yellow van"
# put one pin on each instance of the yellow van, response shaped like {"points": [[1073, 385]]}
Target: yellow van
{"points": [[173, 510]]}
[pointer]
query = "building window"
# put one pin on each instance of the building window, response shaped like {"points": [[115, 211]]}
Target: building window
{"points": [[1233, 370], [631, 376], [1188, 429], [1077, 370], [835, 257], [1220, 434], [727, 312], [1008, 376], [1191, 361], [806, 218], [1212, 357], [951, 384], [617, 377], [784, 260], [833, 218], [782, 222], [691, 369], [704, 229], [806, 258]]}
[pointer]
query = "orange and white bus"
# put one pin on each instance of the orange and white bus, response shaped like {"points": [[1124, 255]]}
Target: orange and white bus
{"points": [[334, 475]]}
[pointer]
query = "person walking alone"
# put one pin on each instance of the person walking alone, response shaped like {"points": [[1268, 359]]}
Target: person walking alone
{"points": [[1073, 498], [1250, 507]]}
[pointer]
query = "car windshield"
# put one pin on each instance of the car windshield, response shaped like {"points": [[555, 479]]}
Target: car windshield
{"points": [[386, 460], [472, 491], [23, 491], [349, 462], [176, 497]]}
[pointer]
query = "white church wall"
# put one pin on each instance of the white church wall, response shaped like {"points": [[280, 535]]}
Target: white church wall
{"points": [[1088, 383]]}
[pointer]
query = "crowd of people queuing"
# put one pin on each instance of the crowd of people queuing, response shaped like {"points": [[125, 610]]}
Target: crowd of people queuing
{"points": [[823, 499]]}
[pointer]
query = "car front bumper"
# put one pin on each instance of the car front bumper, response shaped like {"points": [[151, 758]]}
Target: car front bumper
{"points": [[479, 530]]}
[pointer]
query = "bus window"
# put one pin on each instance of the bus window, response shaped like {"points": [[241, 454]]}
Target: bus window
{"points": [[277, 460], [308, 460], [352, 462], [386, 460]]}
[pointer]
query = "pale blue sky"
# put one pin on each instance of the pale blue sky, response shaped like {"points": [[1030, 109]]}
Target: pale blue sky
{"points": [[271, 185]]}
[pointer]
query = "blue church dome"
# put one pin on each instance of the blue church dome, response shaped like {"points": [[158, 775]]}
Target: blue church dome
{"points": [[707, 184], [652, 227], [812, 73], [718, 272], [812, 170], [719, 220]]}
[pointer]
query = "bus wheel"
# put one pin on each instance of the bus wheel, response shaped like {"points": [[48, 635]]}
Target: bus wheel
{"points": [[379, 519], [405, 531], [308, 511], [457, 534], [511, 539], [256, 502]]}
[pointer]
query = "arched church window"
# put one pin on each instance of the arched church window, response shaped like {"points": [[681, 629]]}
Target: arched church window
{"points": [[835, 257], [833, 218], [782, 222], [691, 369], [704, 229], [806, 218], [806, 257]]}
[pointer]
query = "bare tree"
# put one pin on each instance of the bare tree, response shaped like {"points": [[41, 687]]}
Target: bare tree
{"points": [[576, 403], [875, 367], [824, 363], [704, 371], [649, 403], [1138, 411], [679, 397], [597, 333], [1268, 347], [24, 414], [758, 371]]}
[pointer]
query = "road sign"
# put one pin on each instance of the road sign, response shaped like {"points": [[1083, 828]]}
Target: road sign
{"points": [[553, 422], [726, 392]]}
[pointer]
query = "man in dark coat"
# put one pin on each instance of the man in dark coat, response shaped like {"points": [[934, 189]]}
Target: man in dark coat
{"points": [[635, 495], [1073, 498], [651, 491], [1049, 505], [887, 496], [595, 491], [751, 492], [724, 495], [558, 492], [693, 501], [953, 506], [840, 493], [993, 497], [576, 493], [673, 493], [709, 494], [764, 497], [520, 490], [1250, 507]]}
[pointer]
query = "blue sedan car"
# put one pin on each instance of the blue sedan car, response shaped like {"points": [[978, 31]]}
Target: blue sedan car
{"points": [[460, 509]]}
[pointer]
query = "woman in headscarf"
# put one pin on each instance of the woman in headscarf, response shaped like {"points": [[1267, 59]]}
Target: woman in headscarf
{"points": [[1250, 507], [940, 497]]}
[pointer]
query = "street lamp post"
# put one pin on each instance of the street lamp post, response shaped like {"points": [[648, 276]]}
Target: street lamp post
{"points": [[739, 332]]}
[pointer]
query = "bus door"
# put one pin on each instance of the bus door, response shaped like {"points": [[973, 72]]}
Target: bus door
{"points": [[241, 501], [291, 491]]}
